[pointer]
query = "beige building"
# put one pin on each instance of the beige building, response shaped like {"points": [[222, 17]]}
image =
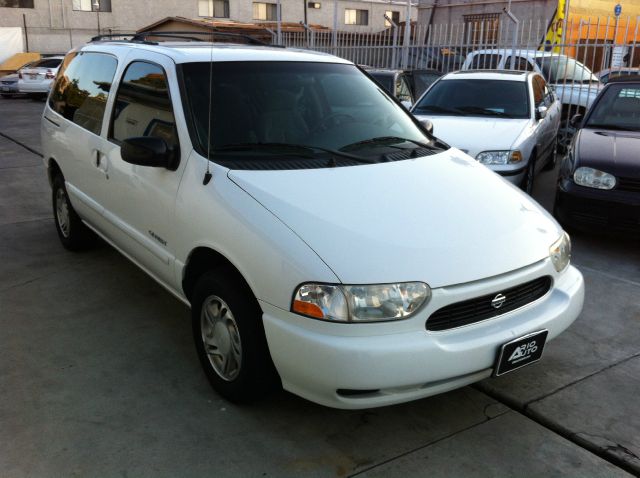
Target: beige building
{"points": [[55, 26]]}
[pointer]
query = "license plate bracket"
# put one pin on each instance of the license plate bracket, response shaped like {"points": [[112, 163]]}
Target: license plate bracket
{"points": [[519, 352]]}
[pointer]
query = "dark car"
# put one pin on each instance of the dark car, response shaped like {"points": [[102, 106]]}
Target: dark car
{"points": [[395, 83], [435, 57], [599, 181], [419, 81]]}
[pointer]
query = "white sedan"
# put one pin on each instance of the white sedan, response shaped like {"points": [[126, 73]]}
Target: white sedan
{"points": [[507, 120], [38, 77]]}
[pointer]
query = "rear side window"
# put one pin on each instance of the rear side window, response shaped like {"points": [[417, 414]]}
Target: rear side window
{"points": [[82, 87], [143, 105], [485, 62]]}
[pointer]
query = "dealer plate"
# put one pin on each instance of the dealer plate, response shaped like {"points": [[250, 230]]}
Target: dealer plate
{"points": [[520, 352]]}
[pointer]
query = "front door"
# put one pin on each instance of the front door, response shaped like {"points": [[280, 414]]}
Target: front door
{"points": [[140, 202]]}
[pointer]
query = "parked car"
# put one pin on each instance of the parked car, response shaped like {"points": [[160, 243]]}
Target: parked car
{"points": [[609, 73], [38, 77], [419, 81], [507, 120], [599, 181], [394, 82], [321, 237], [573, 82], [406, 85], [9, 84], [444, 59]]}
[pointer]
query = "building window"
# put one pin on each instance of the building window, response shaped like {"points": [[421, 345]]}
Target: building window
{"points": [[483, 28], [91, 5], [394, 16], [265, 11], [315, 5], [356, 17], [16, 3], [213, 8]]}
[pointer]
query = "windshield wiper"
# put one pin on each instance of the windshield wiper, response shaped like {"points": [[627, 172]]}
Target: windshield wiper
{"points": [[615, 127], [485, 111], [440, 109], [387, 140], [277, 148]]}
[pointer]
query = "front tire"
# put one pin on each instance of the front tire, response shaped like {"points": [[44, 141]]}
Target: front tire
{"points": [[529, 176], [73, 234], [229, 337]]}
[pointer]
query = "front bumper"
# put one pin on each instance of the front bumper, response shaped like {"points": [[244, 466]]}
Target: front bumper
{"points": [[597, 210], [356, 366]]}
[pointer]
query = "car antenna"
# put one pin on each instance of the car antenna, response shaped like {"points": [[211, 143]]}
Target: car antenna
{"points": [[208, 175]]}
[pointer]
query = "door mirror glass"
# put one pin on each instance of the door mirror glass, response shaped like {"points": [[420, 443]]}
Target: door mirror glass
{"points": [[148, 151]]}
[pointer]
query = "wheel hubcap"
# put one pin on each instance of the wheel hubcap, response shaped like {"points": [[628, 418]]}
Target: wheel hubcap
{"points": [[62, 212], [221, 338]]}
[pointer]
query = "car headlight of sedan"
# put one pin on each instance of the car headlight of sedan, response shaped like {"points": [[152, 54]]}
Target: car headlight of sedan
{"points": [[594, 178], [360, 303], [499, 157], [560, 252]]}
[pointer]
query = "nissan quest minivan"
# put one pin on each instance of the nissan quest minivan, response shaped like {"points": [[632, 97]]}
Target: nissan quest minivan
{"points": [[323, 239]]}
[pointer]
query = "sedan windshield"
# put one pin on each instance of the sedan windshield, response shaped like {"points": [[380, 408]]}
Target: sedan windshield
{"points": [[276, 111], [618, 108], [471, 97]]}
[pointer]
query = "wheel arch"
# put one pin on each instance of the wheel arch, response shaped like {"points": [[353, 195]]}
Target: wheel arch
{"points": [[203, 259], [53, 170]]}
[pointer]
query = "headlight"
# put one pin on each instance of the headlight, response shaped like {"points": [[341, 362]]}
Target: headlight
{"points": [[360, 303], [499, 157], [594, 178], [560, 252]]}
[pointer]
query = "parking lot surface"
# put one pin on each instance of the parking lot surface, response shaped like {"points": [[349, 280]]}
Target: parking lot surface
{"points": [[99, 376]]}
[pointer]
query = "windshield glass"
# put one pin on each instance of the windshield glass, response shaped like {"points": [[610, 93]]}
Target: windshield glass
{"points": [[560, 68], [618, 108], [471, 97], [295, 109]]}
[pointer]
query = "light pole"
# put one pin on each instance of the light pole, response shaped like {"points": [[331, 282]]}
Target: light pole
{"points": [[96, 5]]}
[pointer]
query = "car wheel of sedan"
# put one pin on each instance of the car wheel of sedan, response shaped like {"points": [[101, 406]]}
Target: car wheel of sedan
{"points": [[229, 337], [73, 234], [529, 175]]}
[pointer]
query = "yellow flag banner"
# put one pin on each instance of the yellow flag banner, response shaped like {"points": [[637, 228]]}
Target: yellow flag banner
{"points": [[553, 37]]}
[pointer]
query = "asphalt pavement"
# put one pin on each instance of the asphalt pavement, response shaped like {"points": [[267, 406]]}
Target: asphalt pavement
{"points": [[99, 376]]}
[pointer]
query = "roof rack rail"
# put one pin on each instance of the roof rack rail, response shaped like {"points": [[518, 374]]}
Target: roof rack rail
{"points": [[142, 37]]}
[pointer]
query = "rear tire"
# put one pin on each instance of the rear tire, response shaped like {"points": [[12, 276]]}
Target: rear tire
{"points": [[73, 234], [229, 337]]}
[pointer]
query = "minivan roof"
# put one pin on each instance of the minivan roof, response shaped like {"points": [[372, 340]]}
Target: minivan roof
{"points": [[185, 52]]}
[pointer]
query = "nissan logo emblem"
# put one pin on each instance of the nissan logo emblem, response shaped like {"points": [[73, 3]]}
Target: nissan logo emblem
{"points": [[498, 301]]}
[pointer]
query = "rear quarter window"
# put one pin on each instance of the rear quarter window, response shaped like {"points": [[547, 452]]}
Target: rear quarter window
{"points": [[82, 88]]}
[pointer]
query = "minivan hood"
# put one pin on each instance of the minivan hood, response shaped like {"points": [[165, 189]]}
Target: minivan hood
{"points": [[475, 134], [442, 219]]}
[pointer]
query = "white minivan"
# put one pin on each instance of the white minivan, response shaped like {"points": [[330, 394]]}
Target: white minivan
{"points": [[322, 238]]}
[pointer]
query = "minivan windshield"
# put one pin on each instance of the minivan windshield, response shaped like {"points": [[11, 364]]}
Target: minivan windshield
{"points": [[271, 110], [560, 68], [476, 97]]}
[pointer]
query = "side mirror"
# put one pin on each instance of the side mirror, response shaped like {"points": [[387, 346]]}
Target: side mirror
{"points": [[148, 151], [428, 125], [407, 104], [541, 112], [576, 120]]}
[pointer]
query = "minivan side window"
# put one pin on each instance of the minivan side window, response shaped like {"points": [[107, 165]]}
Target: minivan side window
{"points": [[82, 88], [143, 105]]}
